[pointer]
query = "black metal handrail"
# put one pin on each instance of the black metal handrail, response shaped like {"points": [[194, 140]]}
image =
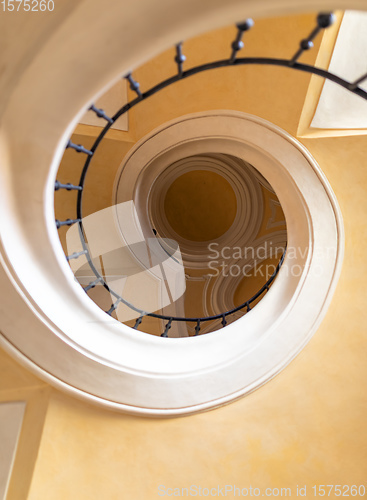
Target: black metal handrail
{"points": [[323, 21]]}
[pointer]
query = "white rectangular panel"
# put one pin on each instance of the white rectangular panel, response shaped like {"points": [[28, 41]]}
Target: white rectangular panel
{"points": [[11, 418]]}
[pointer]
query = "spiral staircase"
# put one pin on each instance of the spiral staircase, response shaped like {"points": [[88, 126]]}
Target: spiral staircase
{"points": [[216, 128]]}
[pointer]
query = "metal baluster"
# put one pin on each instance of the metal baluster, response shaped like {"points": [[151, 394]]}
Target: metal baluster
{"points": [[137, 323], [100, 113], [224, 321], [135, 86], [67, 222], [355, 84], [75, 255], [113, 307], [238, 44], [67, 186], [79, 148], [323, 22], [168, 326], [92, 284], [180, 58]]}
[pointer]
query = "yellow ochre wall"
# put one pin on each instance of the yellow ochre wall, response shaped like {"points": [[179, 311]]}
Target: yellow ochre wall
{"points": [[307, 425]]}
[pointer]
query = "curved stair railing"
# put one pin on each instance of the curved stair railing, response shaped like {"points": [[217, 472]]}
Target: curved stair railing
{"points": [[323, 21]]}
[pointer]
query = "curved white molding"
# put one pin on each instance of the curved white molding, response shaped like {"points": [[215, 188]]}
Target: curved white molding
{"points": [[145, 176], [244, 184], [69, 341], [147, 184]]}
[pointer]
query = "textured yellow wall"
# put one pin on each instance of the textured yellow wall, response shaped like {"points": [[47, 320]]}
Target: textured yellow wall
{"points": [[305, 427], [274, 93]]}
